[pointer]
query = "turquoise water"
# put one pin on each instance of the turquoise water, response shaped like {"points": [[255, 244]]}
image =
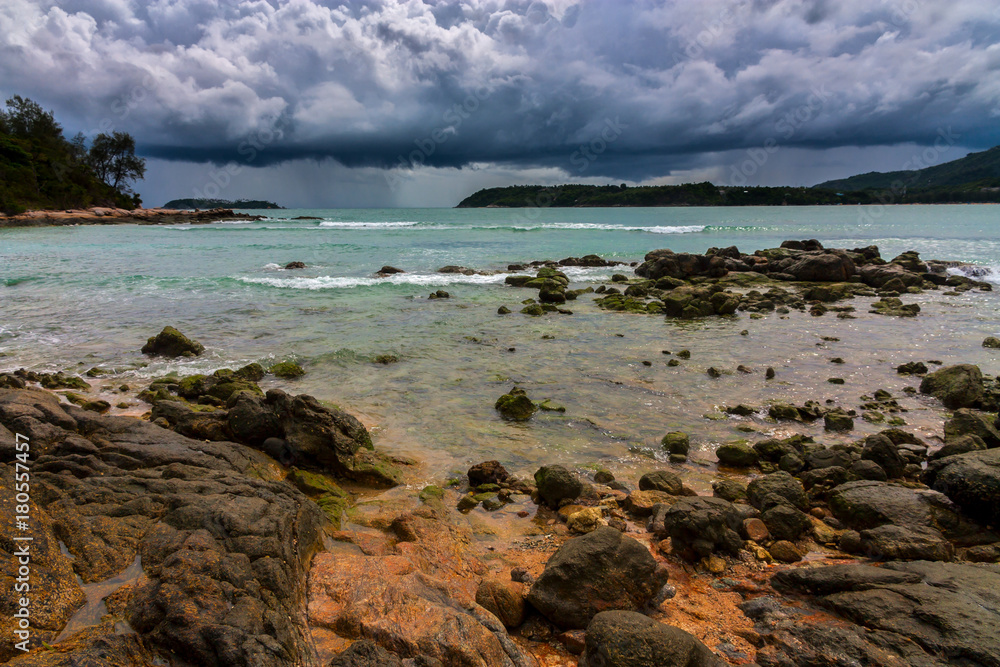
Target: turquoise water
{"points": [[77, 297]]}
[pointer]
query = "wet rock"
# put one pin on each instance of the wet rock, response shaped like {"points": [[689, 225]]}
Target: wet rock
{"points": [[894, 307], [784, 522], [661, 480], [824, 267], [700, 526], [912, 368], [172, 343], [286, 370], [972, 481], [600, 571], [736, 455], [630, 639], [585, 520], [439, 294], [992, 342], [365, 653], [971, 422], [784, 551], [868, 470], [389, 270], [503, 310], [515, 405], [919, 613], [755, 530], [643, 503], [778, 487], [677, 443], [959, 445], [291, 266], [505, 600], [729, 489], [879, 449], [534, 309], [557, 484], [216, 532], [890, 542], [418, 598], [487, 472], [837, 421], [958, 386]]}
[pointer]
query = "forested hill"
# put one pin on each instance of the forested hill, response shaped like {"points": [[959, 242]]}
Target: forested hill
{"points": [[220, 203], [973, 172], [692, 194], [41, 169]]}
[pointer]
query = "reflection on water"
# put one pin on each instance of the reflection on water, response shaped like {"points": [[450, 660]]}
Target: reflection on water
{"points": [[94, 610]]}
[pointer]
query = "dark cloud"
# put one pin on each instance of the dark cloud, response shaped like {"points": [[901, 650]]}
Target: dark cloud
{"points": [[592, 89]]}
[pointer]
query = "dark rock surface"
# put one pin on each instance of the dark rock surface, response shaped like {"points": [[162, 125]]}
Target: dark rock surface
{"points": [[172, 343], [630, 639], [970, 480], [224, 544], [599, 571], [916, 613]]}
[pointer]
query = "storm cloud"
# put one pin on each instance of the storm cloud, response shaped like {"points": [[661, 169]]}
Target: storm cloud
{"points": [[632, 91]]}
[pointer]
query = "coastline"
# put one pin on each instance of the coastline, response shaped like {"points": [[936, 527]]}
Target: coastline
{"points": [[486, 542], [119, 216]]}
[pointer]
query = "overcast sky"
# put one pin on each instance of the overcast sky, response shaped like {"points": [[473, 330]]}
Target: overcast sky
{"points": [[313, 103]]}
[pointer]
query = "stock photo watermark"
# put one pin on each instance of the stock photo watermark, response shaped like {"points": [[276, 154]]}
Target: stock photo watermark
{"points": [[22, 543]]}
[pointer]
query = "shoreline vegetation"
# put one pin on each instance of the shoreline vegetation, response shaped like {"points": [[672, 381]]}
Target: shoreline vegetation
{"points": [[230, 523]]}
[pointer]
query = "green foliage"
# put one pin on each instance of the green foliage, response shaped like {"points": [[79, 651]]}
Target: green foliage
{"points": [[690, 194], [112, 157], [971, 173], [40, 169], [221, 203]]}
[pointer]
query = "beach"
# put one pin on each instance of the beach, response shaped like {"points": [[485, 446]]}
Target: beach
{"points": [[791, 356]]}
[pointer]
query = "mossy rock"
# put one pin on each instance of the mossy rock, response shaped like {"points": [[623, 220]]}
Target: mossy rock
{"points": [[62, 381], [374, 469], [515, 406], [503, 310], [385, 359], [313, 484], [737, 455], [549, 406], [334, 506], [287, 370], [75, 399], [172, 343], [431, 492], [191, 386], [676, 442], [252, 372], [533, 309], [98, 406]]}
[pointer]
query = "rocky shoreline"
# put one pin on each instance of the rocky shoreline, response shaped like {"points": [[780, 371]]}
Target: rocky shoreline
{"points": [[98, 215], [264, 528]]}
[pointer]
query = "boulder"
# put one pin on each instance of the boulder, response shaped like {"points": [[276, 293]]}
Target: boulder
{"points": [[676, 443], [778, 485], [661, 480], [600, 571], [630, 639], [515, 406], [700, 526], [890, 542], [503, 599], [822, 267], [958, 386], [918, 613], [879, 449], [286, 370], [736, 455], [784, 522], [487, 472], [556, 484], [970, 480], [172, 343], [959, 445], [972, 422]]}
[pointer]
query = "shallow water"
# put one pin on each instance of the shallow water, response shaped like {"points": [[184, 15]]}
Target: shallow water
{"points": [[74, 298]]}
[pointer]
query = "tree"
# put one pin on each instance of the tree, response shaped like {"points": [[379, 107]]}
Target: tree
{"points": [[112, 157], [25, 119]]}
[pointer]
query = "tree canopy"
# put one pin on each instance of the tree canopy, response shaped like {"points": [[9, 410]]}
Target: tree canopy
{"points": [[41, 169]]}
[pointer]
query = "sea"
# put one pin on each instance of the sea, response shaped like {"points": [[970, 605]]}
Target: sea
{"points": [[80, 297]]}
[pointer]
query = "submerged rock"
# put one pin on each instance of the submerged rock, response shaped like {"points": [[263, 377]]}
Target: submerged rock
{"points": [[597, 572], [172, 343], [515, 406]]}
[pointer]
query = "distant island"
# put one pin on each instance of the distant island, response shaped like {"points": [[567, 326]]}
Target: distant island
{"points": [[221, 203], [974, 178]]}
